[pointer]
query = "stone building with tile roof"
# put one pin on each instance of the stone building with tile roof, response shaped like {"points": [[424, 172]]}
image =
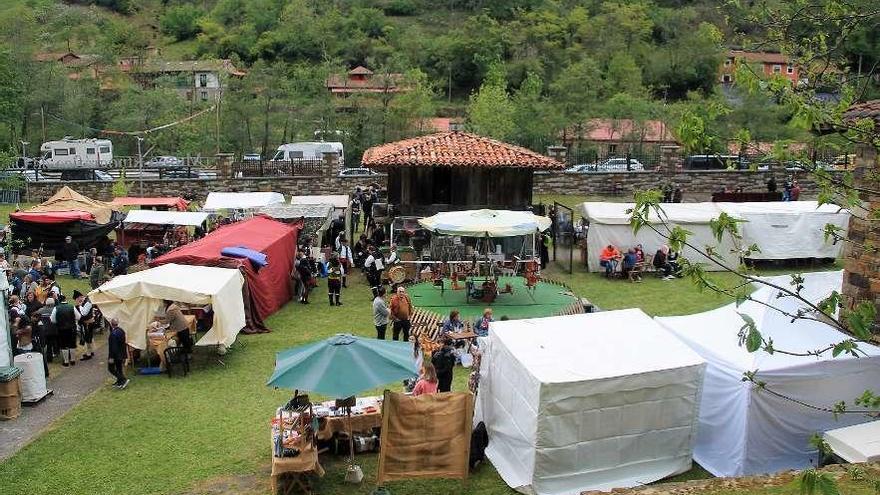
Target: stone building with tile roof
{"points": [[456, 171]]}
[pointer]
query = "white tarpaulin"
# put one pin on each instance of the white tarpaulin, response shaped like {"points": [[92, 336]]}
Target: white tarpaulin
{"points": [[744, 431], [133, 299], [585, 402], [609, 224], [486, 223], [857, 443], [241, 200], [338, 201], [190, 218], [788, 229], [5, 344]]}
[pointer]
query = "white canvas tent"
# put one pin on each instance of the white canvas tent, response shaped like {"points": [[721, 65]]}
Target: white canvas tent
{"points": [[486, 223], [152, 217], [744, 431], [241, 200], [590, 401], [856, 443], [5, 344], [788, 229], [133, 299], [609, 224], [339, 202]]}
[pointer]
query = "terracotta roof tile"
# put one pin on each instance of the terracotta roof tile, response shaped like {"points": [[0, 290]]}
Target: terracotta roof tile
{"points": [[455, 149], [865, 110], [763, 57]]}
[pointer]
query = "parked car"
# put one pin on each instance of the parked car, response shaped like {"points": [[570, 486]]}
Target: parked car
{"points": [[164, 162], [357, 172], [188, 174], [86, 174], [609, 165], [27, 175], [716, 162], [844, 162], [251, 157]]}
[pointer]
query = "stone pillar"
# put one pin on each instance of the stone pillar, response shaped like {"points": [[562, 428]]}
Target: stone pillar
{"points": [[331, 162], [670, 159], [861, 276], [224, 165], [558, 153]]}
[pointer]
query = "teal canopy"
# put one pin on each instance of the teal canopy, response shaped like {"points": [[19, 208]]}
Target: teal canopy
{"points": [[343, 365]]}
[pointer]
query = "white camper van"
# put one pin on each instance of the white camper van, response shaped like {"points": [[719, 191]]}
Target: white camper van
{"points": [[76, 153], [310, 150]]}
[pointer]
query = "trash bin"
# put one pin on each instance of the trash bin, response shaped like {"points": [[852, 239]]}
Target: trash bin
{"points": [[10, 398]]}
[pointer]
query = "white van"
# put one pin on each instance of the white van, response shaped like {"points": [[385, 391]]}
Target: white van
{"points": [[76, 153], [309, 150]]}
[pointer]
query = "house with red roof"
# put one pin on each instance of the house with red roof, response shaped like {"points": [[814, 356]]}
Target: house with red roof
{"points": [[766, 63], [612, 137], [361, 80], [457, 170]]}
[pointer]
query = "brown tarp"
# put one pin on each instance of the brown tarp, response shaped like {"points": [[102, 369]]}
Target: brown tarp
{"points": [[66, 199], [428, 436]]}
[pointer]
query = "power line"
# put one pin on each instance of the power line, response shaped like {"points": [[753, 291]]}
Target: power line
{"points": [[137, 133]]}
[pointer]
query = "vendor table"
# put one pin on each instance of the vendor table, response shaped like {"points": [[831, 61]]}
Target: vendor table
{"points": [[291, 474], [365, 415]]}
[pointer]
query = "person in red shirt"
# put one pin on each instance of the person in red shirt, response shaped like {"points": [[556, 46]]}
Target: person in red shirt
{"points": [[609, 258], [427, 383]]}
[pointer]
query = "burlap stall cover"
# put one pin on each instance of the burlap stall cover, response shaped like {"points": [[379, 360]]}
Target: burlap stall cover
{"points": [[428, 436]]}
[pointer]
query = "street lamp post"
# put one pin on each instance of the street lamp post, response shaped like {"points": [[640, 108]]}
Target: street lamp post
{"points": [[140, 165], [27, 190]]}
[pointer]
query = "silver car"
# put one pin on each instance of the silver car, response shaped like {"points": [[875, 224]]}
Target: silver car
{"points": [[358, 172], [163, 162]]}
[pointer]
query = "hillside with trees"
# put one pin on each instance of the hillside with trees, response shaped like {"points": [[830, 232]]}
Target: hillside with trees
{"points": [[522, 70]]}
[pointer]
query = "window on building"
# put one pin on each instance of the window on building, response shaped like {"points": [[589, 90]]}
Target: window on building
{"points": [[90, 151], [612, 149], [203, 95], [725, 78], [789, 69], [61, 152], [203, 80], [777, 69], [728, 62]]}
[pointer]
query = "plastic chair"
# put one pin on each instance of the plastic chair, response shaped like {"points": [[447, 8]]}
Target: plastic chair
{"points": [[176, 355]]}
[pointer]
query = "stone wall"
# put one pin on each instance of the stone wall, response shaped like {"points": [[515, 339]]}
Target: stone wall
{"points": [[199, 188], [861, 280], [696, 185]]}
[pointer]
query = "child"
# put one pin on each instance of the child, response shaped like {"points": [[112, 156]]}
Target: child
{"points": [[427, 383]]}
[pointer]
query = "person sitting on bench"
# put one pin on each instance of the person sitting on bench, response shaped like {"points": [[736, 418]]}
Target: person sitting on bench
{"points": [[609, 258]]}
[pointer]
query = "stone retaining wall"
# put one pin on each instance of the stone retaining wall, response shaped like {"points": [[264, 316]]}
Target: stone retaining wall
{"points": [[696, 185]]}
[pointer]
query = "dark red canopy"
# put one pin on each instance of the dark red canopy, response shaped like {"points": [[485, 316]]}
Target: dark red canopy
{"points": [[269, 288], [52, 216], [176, 203]]}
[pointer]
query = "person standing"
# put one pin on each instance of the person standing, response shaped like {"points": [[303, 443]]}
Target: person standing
{"points": [[367, 202], [178, 324], [46, 330], [380, 313], [346, 258], [306, 277], [443, 360], [401, 311], [84, 313], [545, 250], [355, 207], [70, 251], [116, 354], [96, 274], [64, 318], [374, 264], [120, 262], [428, 383], [335, 273]]}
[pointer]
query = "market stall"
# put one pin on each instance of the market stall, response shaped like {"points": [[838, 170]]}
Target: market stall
{"points": [[141, 226], [175, 203], [66, 213], [587, 402], [134, 300], [744, 430], [267, 286], [316, 218], [340, 204], [248, 201]]}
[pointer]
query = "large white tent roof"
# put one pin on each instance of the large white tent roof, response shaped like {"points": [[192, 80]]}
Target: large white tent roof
{"points": [[857, 443], [134, 298], [190, 218], [486, 223], [241, 200], [620, 213], [715, 332], [339, 201], [575, 351]]}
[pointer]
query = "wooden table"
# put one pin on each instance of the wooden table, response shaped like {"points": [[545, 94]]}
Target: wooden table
{"points": [[292, 474], [329, 426]]}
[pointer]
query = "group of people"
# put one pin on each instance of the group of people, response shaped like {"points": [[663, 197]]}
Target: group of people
{"points": [[665, 262], [791, 190]]}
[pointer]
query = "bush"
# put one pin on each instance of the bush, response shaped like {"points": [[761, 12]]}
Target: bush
{"points": [[402, 8], [181, 21]]}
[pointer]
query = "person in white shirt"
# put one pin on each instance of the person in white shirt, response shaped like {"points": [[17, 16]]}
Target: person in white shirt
{"points": [[346, 257], [392, 258], [374, 265]]}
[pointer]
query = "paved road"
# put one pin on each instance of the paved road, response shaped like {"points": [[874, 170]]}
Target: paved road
{"points": [[71, 385]]}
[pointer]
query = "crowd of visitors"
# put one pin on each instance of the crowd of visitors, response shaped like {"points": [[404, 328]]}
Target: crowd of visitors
{"points": [[633, 262]]}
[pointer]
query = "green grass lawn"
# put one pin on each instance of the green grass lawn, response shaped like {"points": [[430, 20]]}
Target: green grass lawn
{"points": [[208, 432]]}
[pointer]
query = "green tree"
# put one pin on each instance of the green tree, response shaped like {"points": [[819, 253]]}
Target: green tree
{"points": [[575, 93], [412, 108], [531, 113], [181, 21], [490, 111], [623, 75]]}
